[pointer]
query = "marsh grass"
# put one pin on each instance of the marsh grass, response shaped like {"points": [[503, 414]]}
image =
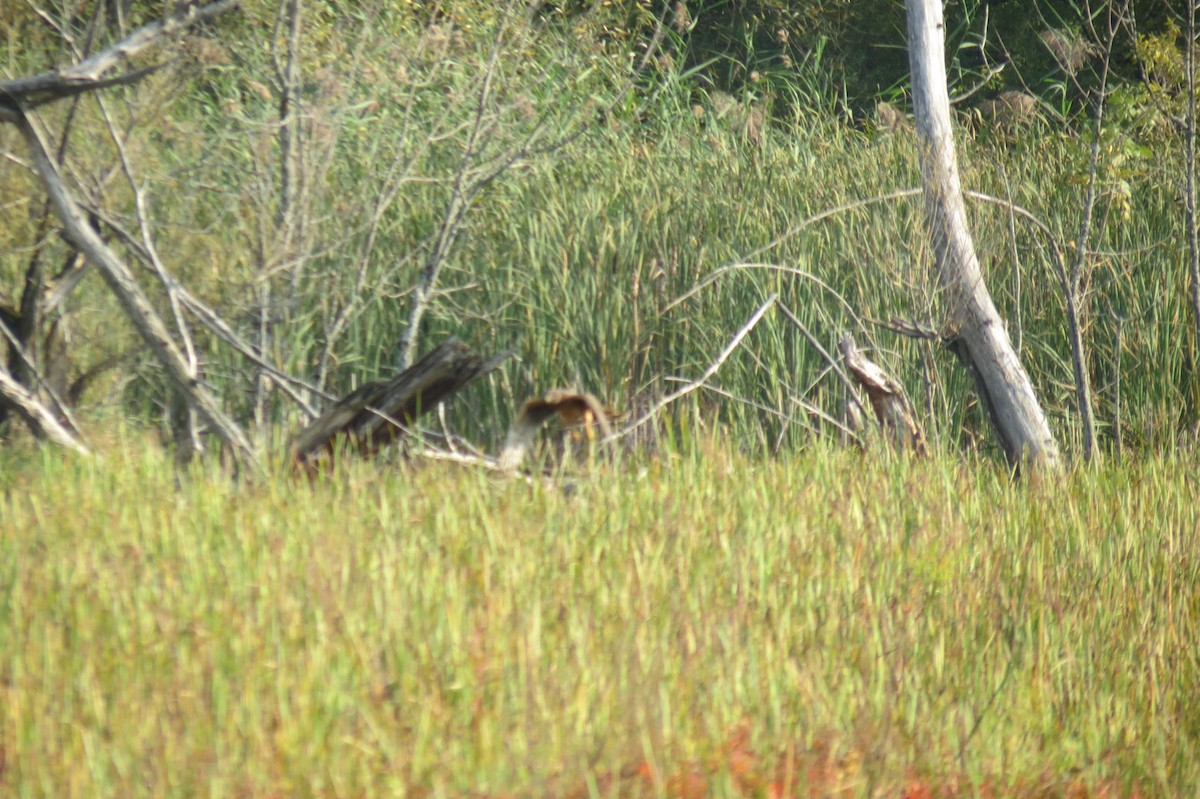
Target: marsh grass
{"points": [[746, 611], [704, 620], [572, 259]]}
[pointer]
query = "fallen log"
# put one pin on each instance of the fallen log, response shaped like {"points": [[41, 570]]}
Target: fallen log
{"points": [[374, 414]]}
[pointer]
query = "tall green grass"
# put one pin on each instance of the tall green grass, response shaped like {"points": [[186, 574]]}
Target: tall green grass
{"points": [[572, 258], [440, 632]]}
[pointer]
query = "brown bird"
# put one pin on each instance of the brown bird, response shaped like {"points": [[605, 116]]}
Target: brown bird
{"points": [[578, 409]]}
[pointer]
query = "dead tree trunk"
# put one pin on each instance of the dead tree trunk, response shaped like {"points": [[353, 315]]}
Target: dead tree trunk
{"points": [[39, 418], [983, 343]]}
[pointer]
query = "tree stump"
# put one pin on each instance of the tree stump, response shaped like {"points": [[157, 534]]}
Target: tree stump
{"points": [[376, 413]]}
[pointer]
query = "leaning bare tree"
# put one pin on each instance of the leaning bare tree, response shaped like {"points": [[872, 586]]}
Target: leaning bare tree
{"points": [[1184, 121], [974, 327]]}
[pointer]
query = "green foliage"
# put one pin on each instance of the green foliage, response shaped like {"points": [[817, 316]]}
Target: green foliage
{"points": [[1161, 56]]}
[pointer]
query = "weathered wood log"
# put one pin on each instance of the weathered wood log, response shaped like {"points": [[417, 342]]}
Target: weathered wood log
{"points": [[888, 399], [376, 413]]}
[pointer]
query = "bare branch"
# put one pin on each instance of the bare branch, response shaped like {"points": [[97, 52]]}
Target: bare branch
{"points": [[143, 219], [89, 74], [992, 72], [704, 378], [786, 270], [208, 316], [475, 172], [816, 344]]}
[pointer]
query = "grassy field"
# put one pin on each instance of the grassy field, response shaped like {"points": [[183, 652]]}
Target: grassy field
{"points": [[748, 611], [702, 624]]}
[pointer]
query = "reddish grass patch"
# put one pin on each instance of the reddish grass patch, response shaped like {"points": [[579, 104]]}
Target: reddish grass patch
{"points": [[818, 772]]}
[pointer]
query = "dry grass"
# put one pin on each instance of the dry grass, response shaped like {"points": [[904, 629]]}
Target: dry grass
{"points": [[816, 626]]}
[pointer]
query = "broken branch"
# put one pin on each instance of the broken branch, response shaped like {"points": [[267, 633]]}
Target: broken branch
{"points": [[22, 94], [40, 420]]}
